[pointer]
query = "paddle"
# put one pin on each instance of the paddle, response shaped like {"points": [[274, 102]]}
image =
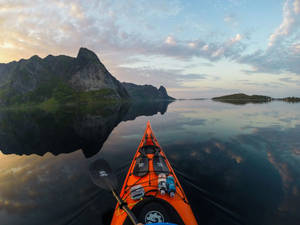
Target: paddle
{"points": [[103, 177]]}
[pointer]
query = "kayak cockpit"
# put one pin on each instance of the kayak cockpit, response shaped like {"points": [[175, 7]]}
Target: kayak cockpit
{"points": [[155, 210], [149, 149]]}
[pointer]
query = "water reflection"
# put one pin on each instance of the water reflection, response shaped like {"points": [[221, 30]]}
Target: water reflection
{"points": [[68, 129], [57, 189], [246, 156]]}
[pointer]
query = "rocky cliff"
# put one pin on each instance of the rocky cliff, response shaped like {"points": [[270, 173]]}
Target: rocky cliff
{"points": [[36, 79], [146, 92], [90, 74]]}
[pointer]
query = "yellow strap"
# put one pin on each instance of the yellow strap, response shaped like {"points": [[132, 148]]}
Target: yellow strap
{"points": [[119, 213]]}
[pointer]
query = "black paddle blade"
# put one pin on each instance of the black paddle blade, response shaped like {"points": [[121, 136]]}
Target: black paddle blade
{"points": [[102, 175]]}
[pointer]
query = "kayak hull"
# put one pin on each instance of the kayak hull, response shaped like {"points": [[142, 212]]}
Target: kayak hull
{"points": [[153, 207]]}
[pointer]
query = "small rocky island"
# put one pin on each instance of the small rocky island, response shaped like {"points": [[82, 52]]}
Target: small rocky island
{"points": [[241, 98], [57, 80], [289, 99]]}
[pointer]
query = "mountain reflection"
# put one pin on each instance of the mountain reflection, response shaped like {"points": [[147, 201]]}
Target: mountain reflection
{"points": [[69, 129]]}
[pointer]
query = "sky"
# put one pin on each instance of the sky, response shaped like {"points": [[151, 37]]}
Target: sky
{"points": [[194, 48]]}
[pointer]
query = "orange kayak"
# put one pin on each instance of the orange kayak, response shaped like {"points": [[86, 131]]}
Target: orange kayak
{"points": [[151, 189]]}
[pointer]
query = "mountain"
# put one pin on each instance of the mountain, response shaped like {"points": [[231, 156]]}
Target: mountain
{"points": [[90, 74], [60, 77], [64, 79], [241, 98], [146, 92]]}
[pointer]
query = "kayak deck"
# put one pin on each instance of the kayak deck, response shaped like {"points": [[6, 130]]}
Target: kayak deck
{"points": [[148, 162]]}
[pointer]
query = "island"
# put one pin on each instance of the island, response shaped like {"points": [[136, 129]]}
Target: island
{"points": [[289, 99], [241, 98]]}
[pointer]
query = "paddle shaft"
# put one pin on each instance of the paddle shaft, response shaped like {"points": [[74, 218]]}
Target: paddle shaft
{"points": [[125, 208]]}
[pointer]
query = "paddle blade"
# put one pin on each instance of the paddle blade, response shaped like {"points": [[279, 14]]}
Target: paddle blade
{"points": [[102, 175]]}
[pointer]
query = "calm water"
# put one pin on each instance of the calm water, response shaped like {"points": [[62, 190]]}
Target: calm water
{"points": [[246, 156]]}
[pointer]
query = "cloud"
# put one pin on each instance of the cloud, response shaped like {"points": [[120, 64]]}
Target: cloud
{"points": [[192, 77], [170, 40], [282, 53], [14, 4], [274, 60], [290, 80], [231, 49], [171, 78], [237, 38], [76, 11], [288, 25], [231, 19], [296, 48], [226, 47], [108, 27], [270, 84], [192, 44], [68, 25], [297, 6], [228, 18]]}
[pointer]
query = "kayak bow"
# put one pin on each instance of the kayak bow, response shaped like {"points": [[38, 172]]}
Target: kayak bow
{"points": [[151, 189]]}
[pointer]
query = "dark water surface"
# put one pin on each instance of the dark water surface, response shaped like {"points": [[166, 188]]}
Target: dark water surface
{"points": [[246, 156]]}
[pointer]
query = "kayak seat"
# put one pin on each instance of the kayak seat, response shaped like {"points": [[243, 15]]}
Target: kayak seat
{"points": [[154, 210], [159, 164], [141, 167]]}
